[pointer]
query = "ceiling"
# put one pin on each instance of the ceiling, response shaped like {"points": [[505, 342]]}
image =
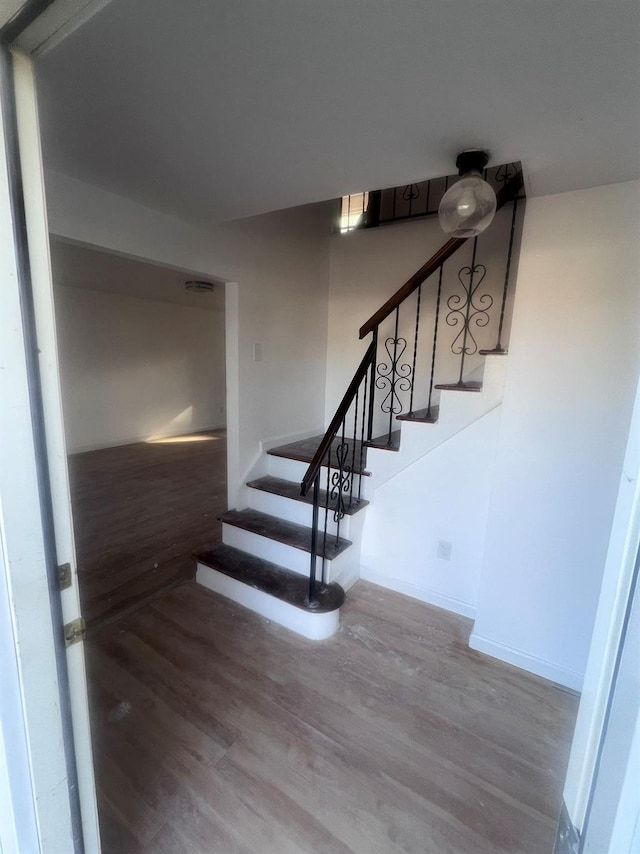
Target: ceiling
{"points": [[225, 109], [76, 266]]}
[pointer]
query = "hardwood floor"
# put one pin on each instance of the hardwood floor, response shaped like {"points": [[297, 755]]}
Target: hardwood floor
{"points": [[216, 731], [139, 512]]}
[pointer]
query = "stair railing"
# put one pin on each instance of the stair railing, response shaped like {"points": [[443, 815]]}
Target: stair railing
{"points": [[342, 451]]}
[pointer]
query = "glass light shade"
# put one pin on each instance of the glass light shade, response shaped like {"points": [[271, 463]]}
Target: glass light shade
{"points": [[468, 207]]}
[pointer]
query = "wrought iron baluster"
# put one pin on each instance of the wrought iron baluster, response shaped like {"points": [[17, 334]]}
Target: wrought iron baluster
{"points": [[372, 386], [415, 348], [365, 386], [499, 348], [392, 376], [393, 370], [340, 480], [326, 518], [353, 446], [313, 602], [466, 310], [504, 173], [435, 340]]}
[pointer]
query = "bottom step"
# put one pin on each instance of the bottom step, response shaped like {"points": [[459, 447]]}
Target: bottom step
{"points": [[270, 590]]}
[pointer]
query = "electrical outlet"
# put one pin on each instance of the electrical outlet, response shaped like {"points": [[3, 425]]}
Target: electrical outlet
{"points": [[444, 549]]}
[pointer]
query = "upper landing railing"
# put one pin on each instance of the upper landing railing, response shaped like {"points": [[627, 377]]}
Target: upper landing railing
{"points": [[393, 384]]}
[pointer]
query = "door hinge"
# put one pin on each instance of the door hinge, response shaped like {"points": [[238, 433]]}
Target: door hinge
{"points": [[64, 576], [75, 631]]}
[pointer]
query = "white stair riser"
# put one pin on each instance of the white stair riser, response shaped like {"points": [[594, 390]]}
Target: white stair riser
{"points": [[294, 470], [295, 511], [305, 623], [282, 554]]}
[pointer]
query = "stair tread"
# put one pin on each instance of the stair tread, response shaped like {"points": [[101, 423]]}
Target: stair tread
{"points": [[424, 416], [386, 442], [289, 533], [283, 584], [290, 489], [305, 450], [471, 386]]}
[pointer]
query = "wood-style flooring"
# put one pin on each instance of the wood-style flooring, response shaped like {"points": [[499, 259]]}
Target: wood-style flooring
{"points": [[217, 732], [139, 512]]}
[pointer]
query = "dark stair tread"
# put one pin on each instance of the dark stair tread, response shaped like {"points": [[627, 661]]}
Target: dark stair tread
{"points": [[305, 450], [424, 416], [386, 442], [494, 352], [474, 386], [289, 533], [289, 489], [270, 578]]}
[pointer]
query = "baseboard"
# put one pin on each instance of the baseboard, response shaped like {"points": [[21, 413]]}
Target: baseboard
{"points": [[431, 597], [120, 443], [539, 666]]}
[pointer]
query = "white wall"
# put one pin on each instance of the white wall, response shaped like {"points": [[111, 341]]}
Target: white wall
{"points": [[572, 373], [280, 262], [136, 368], [442, 496]]}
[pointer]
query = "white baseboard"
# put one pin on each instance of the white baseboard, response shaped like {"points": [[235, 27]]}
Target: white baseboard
{"points": [[119, 443], [431, 597], [538, 666]]}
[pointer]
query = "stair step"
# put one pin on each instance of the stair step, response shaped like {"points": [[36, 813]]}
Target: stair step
{"points": [[270, 578], [494, 352], [474, 386], [424, 416], [305, 450], [289, 489], [288, 533], [386, 442]]}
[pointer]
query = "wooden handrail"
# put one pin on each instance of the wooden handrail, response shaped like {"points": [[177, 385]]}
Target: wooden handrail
{"points": [[341, 411], [506, 193]]}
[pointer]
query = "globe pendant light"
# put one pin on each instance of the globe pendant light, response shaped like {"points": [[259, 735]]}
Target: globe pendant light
{"points": [[468, 207]]}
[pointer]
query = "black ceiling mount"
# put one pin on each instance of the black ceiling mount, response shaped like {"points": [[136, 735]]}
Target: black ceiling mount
{"points": [[473, 160]]}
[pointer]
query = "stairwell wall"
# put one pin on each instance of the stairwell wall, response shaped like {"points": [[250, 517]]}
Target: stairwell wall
{"points": [[572, 373], [368, 266]]}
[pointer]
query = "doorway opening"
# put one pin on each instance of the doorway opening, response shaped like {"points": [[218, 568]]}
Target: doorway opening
{"points": [[142, 363]]}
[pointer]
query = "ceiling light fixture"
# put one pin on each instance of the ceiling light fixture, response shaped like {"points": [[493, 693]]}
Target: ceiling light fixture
{"points": [[468, 207], [199, 287]]}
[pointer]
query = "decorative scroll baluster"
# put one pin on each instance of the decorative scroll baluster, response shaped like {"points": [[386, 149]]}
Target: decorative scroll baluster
{"points": [[393, 376], [340, 481], [435, 341], [415, 348], [411, 192], [466, 310]]}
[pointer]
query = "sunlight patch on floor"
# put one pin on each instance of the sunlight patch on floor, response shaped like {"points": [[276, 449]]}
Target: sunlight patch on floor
{"points": [[180, 440]]}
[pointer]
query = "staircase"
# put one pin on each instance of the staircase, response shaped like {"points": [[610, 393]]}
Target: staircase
{"points": [[291, 554]]}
